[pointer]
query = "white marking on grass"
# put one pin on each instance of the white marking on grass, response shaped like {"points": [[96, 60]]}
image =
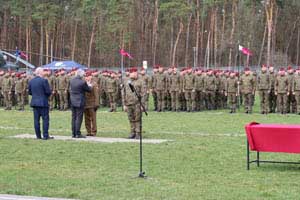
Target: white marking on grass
{"points": [[95, 139], [17, 197], [150, 132]]}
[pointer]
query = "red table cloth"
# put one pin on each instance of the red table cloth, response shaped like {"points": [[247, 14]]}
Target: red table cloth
{"points": [[273, 137]]}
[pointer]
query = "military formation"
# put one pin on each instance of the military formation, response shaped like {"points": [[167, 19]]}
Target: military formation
{"points": [[172, 89], [194, 90]]}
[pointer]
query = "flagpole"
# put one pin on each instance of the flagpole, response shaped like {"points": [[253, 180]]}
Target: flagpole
{"points": [[248, 57], [122, 67]]}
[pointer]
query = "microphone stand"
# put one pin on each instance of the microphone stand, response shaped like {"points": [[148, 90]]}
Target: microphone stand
{"points": [[142, 107]]}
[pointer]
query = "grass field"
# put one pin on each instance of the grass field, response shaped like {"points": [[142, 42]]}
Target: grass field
{"points": [[205, 160]]}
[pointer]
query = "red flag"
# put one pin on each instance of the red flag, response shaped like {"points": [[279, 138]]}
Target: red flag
{"points": [[126, 54], [245, 50]]}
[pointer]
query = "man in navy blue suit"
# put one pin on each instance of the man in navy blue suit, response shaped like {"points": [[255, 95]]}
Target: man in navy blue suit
{"points": [[78, 87], [40, 91]]}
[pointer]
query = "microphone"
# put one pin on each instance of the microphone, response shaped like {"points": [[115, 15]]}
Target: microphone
{"points": [[131, 86]]}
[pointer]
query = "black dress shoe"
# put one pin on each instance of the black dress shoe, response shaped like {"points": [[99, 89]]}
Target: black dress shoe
{"points": [[137, 137], [132, 136], [48, 138], [80, 136], [38, 138]]}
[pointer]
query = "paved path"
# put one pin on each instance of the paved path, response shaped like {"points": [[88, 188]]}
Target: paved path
{"points": [[15, 197], [95, 139]]}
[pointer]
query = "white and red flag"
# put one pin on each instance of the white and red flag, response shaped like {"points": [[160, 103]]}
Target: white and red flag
{"points": [[245, 50], [126, 54]]}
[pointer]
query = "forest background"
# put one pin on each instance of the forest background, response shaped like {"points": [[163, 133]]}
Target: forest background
{"points": [[202, 33]]}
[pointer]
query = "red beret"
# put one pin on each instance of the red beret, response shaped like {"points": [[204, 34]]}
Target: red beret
{"points": [[133, 69]]}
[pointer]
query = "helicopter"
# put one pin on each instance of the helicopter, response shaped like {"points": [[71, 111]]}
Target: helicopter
{"points": [[8, 65]]}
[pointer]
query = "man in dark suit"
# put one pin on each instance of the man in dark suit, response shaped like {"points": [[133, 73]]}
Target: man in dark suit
{"points": [[40, 91], [78, 87]]}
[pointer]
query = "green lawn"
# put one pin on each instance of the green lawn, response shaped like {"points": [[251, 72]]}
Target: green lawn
{"points": [[205, 160]]}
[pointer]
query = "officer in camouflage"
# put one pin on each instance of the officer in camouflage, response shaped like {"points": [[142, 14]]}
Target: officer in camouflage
{"points": [[231, 91], [296, 90], [248, 89], [7, 87], [263, 86], [131, 104], [282, 91]]}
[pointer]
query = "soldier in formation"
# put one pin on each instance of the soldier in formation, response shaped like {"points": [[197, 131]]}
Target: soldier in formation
{"points": [[231, 91], [184, 90]]}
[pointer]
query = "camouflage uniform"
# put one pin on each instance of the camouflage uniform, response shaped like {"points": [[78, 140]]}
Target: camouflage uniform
{"points": [[62, 88], [102, 88], [133, 108], [145, 80], [20, 88], [111, 89], [154, 93], [210, 90], [263, 86], [281, 89], [174, 85], [182, 101], [52, 83], [231, 88], [291, 101], [160, 89], [248, 90], [7, 88], [188, 86], [296, 91], [90, 108], [168, 103], [199, 95], [272, 96]]}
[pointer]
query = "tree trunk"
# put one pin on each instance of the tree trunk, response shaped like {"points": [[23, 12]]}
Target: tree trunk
{"points": [[207, 52], [187, 41], [197, 33], [41, 43], [297, 55], [27, 30], [201, 44], [273, 40], [29, 42], [155, 32], [19, 33], [234, 9], [92, 41], [47, 44], [262, 45], [291, 37], [176, 43], [74, 41], [269, 13], [215, 37], [223, 30], [4, 28], [171, 44]]}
